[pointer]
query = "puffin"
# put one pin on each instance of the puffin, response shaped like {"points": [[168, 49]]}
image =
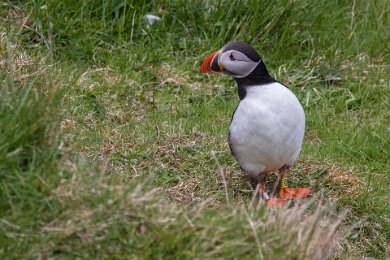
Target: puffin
{"points": [[267, 128]]}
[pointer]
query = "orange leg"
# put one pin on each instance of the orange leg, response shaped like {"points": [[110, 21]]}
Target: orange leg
{"points": [[290, 193], [273, 202]]}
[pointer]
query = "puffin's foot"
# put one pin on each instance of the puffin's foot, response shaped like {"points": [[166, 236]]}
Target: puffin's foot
{"points": [[276, 202], [294, 193]]}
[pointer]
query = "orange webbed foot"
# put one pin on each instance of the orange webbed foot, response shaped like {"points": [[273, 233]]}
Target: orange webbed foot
{"points": [[276, 202], [294, 193]]}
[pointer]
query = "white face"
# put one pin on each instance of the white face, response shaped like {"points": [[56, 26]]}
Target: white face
{"points": [[236, 63]]}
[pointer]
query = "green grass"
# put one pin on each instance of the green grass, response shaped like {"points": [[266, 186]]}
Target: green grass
{"points": [[113, 146]]}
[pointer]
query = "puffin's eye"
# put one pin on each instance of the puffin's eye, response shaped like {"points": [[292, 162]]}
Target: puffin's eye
{"points": [[232, 57]]}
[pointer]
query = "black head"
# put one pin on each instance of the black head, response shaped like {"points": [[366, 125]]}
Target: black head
{"points": [[239, 60]]}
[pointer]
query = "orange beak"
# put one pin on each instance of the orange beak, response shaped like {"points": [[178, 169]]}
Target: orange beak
{"points": [[206, 66]]}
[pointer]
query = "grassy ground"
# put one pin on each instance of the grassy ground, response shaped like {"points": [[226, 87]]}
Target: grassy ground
{"points": [[112, 145]]}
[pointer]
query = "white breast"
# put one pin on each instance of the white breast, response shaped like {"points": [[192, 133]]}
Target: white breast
{"points": [[267, 129]]}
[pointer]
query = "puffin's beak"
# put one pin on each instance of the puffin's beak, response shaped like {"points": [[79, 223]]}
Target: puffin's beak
{"points": [[210, 64]]}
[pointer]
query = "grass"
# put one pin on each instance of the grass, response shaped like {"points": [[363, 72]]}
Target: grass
{"points": [[113, 146]]}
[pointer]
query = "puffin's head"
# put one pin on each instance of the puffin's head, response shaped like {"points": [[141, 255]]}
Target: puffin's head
{"points": [[235, 59]]}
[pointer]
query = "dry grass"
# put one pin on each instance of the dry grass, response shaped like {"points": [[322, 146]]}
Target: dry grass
{"points": [[21, 61], [289, 232], [185, 191], [169, 74], [344, 181]]}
